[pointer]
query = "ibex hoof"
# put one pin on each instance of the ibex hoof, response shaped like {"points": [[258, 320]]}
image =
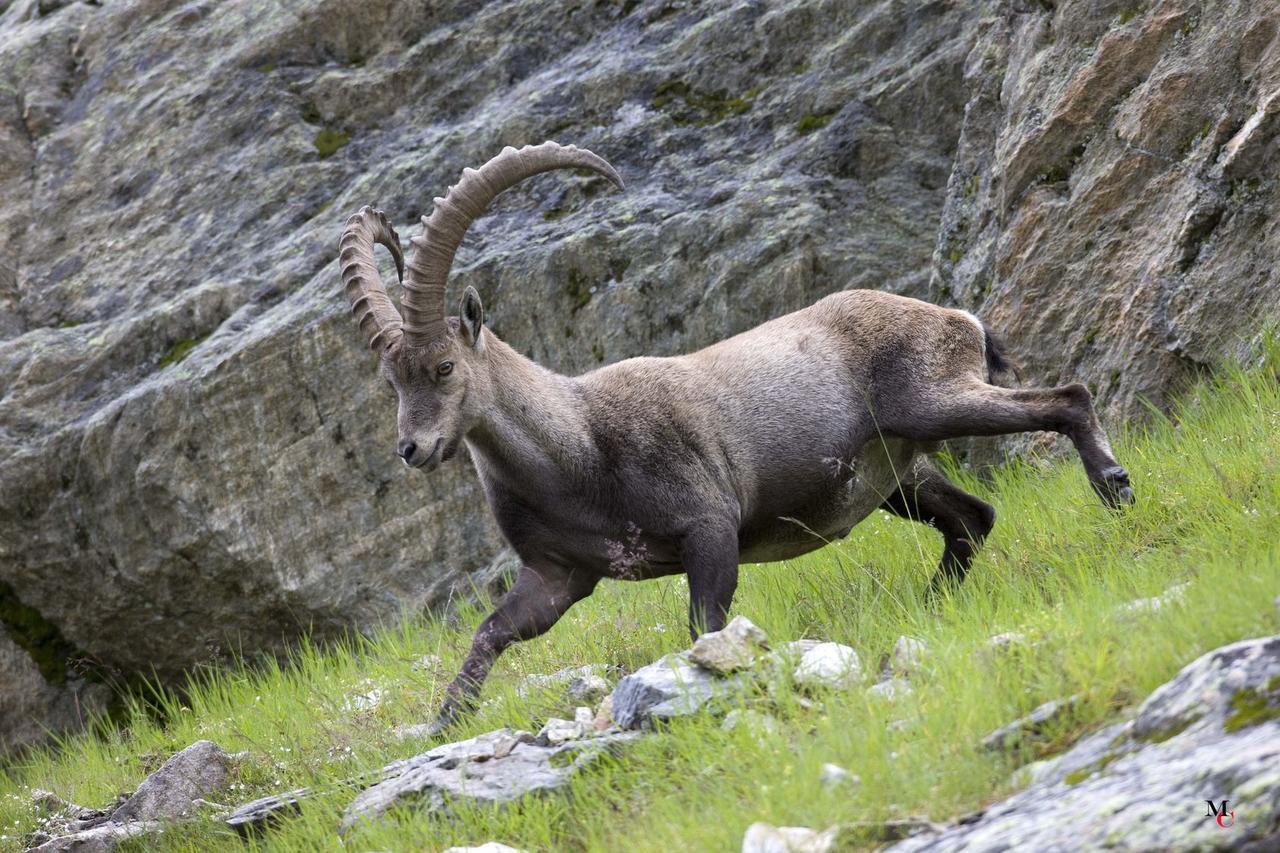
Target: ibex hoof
{"points": [[1113, 487], [444, 721]]}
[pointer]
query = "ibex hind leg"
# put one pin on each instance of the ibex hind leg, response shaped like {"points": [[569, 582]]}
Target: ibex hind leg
{"points": [[975, 408], [535, 602], [963, 520]]}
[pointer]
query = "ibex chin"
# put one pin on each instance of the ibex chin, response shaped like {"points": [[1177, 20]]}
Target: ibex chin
{"points": [[761, 447]]}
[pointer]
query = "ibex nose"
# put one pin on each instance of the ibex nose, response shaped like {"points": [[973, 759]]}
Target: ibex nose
{"points": [[407, 449]]}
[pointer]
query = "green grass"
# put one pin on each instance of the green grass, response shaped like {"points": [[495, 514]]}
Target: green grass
{"points": [[1056, 568]]}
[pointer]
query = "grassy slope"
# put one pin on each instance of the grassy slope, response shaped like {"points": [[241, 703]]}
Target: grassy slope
{"points": [[1056, 568]]}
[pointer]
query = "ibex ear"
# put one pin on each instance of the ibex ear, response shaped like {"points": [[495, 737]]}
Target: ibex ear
{"points": [[471, 311]]}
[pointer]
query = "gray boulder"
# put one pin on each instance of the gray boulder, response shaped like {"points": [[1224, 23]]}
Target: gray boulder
{"points": [[195, 772], [1212, 733]]}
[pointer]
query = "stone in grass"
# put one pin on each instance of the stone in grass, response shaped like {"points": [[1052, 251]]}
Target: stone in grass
{"points": [[891, 689], [490, 769], [580, 685], [487, 847], [762, 727], [1002, 645], [764, 838], [828, 665], [835, 776], [730, 649], [671, 686], [103, 837], [1033, 725], [908, 655], [1143, 606], [557, 731]]}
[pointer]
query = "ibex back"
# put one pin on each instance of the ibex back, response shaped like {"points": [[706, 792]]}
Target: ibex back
{"points": [[761, 447]]}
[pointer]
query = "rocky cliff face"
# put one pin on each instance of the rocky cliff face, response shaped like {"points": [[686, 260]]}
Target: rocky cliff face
{"points": [[195, 454]]}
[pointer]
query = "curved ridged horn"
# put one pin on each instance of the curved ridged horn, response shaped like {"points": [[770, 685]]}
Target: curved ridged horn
{"points": [[374, 310], [442, 232]]}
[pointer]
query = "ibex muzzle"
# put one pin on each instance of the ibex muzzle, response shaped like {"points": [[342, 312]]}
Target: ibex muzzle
{"points": [[758, 448]]}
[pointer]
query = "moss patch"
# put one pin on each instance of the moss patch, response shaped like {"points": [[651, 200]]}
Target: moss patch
{"points": [[810, 122], [1075, 777], [179, 350], [1251, 707], [328, 141], [687, 105], [1171, 731], [578, 289]]}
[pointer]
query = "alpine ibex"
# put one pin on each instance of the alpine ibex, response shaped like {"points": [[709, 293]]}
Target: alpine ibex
{"points": [[761, 447]]}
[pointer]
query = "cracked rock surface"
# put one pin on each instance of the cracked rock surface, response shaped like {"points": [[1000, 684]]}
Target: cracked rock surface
{"points": [[1213, 732]]}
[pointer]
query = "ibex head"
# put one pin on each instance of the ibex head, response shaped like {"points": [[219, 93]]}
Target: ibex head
{"points": [[436, 364]]}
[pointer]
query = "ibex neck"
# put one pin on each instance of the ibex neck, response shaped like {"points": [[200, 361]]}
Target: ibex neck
{"points": [[534, 426]]}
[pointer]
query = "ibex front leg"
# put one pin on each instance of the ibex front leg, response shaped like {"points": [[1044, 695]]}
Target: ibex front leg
{"points": [[976, 408], [535, 602]]}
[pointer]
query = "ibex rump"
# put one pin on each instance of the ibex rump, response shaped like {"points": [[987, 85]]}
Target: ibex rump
{"points": [[761, 447]]}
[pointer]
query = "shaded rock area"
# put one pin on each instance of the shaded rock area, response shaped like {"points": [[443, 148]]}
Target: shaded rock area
{"points": [[192, 438], [33, 702], [1212, 733]]}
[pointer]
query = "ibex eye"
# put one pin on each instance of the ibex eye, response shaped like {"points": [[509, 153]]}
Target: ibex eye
{"points": [[444, 368]]}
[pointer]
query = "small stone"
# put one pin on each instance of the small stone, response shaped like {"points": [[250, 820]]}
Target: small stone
{"points": [[487, 847], [557, 731], [731, 649], [1001, 645], [761, 726], [669, 687], [908, 654], [367, 701], [604, 714], [1172, 595], [426, 663], [891, 689], [763, 838], [578, 685], [833, 776], [829, 665]]}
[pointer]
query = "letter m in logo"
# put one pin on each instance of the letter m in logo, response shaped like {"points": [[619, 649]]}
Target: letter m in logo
{"points": [[1224, 818]]}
